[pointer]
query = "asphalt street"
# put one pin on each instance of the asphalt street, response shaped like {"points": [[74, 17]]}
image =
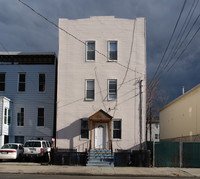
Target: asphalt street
{"points": [[37, 176]]}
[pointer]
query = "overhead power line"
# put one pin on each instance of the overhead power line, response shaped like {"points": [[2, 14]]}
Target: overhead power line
{"points": [[57, 26], [180, 45], [180, 14]]}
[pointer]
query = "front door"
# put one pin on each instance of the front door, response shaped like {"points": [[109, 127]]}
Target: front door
{"points": [[100, 141]]}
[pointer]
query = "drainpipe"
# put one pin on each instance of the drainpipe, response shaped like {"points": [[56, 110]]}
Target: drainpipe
{"points": [[2, 121]]}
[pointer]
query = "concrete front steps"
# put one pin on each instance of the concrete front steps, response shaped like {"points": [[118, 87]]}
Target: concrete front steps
{"points": [[100, 158]]}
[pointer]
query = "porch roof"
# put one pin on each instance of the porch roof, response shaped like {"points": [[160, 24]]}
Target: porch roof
{"points": [[101, 116]]}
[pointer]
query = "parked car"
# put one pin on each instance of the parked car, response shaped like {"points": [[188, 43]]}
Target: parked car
{"points": [[11, 151], [36, 149]]}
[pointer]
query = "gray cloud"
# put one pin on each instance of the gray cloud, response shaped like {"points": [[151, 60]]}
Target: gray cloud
{"points": [[23, 30]]}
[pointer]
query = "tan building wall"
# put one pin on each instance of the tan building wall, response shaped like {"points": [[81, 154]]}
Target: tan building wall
{"points": [[180, 119]]}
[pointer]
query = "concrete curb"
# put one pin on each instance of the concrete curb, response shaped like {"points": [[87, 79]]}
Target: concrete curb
{"points": [[36, 168]]}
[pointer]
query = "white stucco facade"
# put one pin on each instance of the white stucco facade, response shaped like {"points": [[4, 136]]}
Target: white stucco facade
{"points": [[29, 105], [74, 70]]}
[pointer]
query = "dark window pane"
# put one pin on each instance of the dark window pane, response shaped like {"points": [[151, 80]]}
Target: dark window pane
{"points": [[40, 116], [90, 89], [2, 81], [117, 134], [41, 82], [112, 89], [91, 55], [117, 125], [22, 87], [22, 78], [91, 50], [22, 84], [2, 77], [84, 129], [113, 55], [113, 50], [84, 134], [117, 129], [90, 94]]}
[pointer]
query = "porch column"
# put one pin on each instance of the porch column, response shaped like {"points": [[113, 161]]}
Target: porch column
{"points": [[110, 137], [90, 133]]}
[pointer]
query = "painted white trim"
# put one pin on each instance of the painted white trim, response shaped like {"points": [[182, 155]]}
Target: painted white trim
{"points": [[86, 50], [111, 99], [114, 139], [108, 51], [85, 98]]}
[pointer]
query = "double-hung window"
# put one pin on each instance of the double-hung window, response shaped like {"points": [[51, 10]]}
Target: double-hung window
{"points": [[22, 82], [7, 116], [84, 129], [117, 129], [89, 94], [90, 50], [41, 82], [20, 117], [2, 81], [112, 50], [112, 89], [40, 116]]}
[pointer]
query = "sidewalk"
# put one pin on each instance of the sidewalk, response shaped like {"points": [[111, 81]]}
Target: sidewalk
{"points": [[35, 168]]}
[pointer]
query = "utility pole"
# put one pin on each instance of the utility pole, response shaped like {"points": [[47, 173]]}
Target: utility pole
{"points": [[140, 112]]}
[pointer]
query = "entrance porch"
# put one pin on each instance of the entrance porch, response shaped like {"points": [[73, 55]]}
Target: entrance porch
{"points": [[100, 131]]}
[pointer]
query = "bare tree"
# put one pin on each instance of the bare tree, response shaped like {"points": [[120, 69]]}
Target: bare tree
{"points": [[155, 100]]}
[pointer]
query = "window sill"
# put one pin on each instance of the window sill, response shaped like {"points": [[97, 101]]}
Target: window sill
{"points": [[92, 61], [116, 139], [88, 100], [84, 139], [112, 60]]}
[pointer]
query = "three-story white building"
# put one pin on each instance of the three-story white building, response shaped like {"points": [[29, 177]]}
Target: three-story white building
{"points": [[27, 96], [100, 100]]}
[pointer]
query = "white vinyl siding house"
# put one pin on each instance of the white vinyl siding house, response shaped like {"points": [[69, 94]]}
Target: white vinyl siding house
{"points": [[29, 84]]}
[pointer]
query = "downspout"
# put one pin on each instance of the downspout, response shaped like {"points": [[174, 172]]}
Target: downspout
{"points": [[55, 101], [2, 117]]}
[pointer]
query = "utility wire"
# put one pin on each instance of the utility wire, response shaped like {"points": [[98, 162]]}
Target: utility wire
{"points": [[179, 46], [57, 26], [178, 40], [177, 59], [180, 14]]}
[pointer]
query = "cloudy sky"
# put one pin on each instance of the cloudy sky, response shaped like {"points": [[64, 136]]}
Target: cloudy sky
{"points": [[23, 30]]}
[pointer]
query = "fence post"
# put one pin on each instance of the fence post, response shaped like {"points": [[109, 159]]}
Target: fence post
{"points": [[181, 154], [154, 151]]}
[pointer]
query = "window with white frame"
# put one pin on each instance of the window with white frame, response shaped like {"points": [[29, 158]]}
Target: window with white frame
{"points": [[22, 82], [90, 50], [84, 128], [112, 89], [89, 94], [117, 129], [40, 117], [112, 50], [41, 82], [2, 81], [20, 117], [7, 116]]}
